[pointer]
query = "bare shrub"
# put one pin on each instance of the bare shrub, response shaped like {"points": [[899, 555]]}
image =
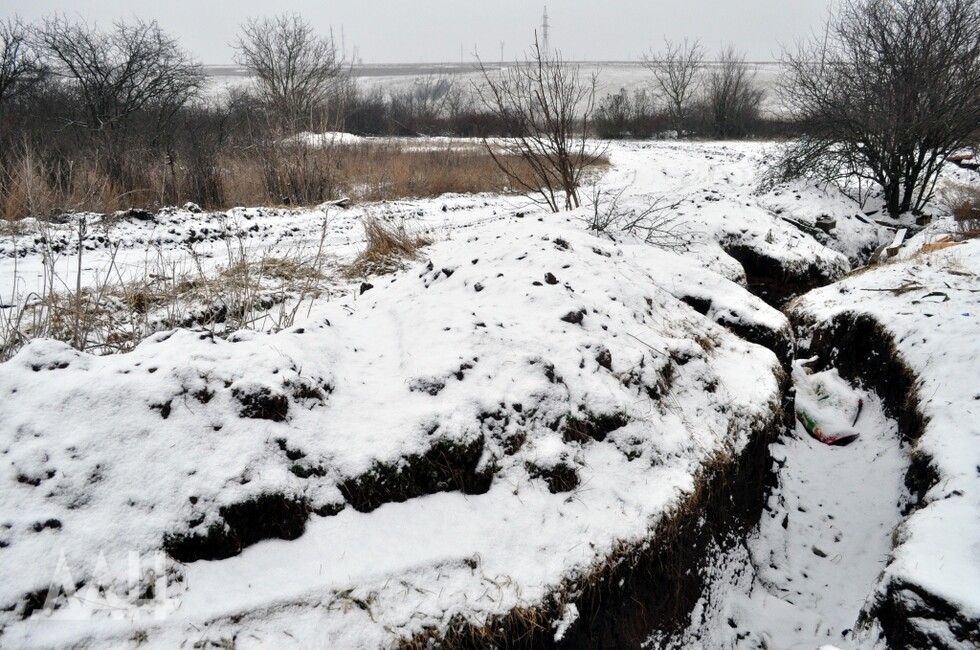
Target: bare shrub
{"points": [[538, 100], [194, 157], [118, 74], [426, 107], [678, 73], [885, 94], [20, 64], [963, 202], [119, 91], [297, 72], [657, 223], [627, 116], [435, 105], [731, 100]]}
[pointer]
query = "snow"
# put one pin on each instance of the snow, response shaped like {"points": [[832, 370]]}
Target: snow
{"points": [[475, 328], [510, 325], [327, 139], [934, 322], [569, 616], [805, 575]]}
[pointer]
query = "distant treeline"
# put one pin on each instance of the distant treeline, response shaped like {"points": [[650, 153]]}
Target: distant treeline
{"points": [[104, 119]]}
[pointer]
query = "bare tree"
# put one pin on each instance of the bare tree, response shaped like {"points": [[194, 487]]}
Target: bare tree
{"points": [[546, 106], [886, 94], [678, 74], [628, 116], [418, 108], [732, 99], [20, 64], [123, 72], [296, 71]]}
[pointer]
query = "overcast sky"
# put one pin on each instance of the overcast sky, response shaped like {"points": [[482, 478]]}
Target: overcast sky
{"points": [[408, 31]]}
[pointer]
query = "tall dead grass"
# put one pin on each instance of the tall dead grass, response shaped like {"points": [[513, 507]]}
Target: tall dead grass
{"points": [[389, 246], [284, 173], [256, 289]]}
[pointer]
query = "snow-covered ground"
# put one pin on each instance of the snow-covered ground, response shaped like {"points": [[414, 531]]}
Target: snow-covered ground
{"points": [[928, 302], [806, 574], [475, 432]]}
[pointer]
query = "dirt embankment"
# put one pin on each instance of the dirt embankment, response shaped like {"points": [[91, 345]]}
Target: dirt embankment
{"points": [[650, 587]]}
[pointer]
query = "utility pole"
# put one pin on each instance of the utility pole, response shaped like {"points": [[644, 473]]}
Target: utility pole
{"points": [[545, 48]]}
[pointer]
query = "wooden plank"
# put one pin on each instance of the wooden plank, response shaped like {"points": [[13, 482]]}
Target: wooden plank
{"points": [[897, 242]]}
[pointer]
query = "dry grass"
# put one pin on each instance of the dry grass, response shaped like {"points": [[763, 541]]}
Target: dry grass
{"points": [[288, 173], [255, 290], [389, 246], [381, 170]]}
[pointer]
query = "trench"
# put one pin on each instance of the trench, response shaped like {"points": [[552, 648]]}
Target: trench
{"points": [[768, 279], [642, 586], [907, 616], [802, 578], [806, 573], [781, 546]]}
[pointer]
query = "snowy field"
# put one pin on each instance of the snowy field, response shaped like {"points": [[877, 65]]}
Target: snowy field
{"points": [[612, 76], [480, 432]]}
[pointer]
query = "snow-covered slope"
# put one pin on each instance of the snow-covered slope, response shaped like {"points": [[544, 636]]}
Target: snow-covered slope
{"points": [[481, 433], [540, 377]]}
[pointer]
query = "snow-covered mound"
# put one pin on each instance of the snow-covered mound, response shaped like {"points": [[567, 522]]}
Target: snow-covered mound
{"points": [[464, 438], [327, 139], [774, 235], [909, 329], [481, 435]]}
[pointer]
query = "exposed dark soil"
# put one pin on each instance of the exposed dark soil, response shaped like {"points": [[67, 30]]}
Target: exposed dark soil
{"points": [[642, 587], [907, 615], [780, 341], [268, 516], [447, 465], [768, 279]]}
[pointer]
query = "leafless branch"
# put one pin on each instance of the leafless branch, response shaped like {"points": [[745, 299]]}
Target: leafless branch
{"points": [[537, 100]]}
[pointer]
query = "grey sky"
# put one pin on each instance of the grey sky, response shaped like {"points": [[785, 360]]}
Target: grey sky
{"points": [[405, 31]]}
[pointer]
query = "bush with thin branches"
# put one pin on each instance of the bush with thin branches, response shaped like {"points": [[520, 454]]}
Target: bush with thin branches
{"points": [[297, 72], [21, 65], [732, 100], [886, 94], [547, 106], [678, 75]]}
